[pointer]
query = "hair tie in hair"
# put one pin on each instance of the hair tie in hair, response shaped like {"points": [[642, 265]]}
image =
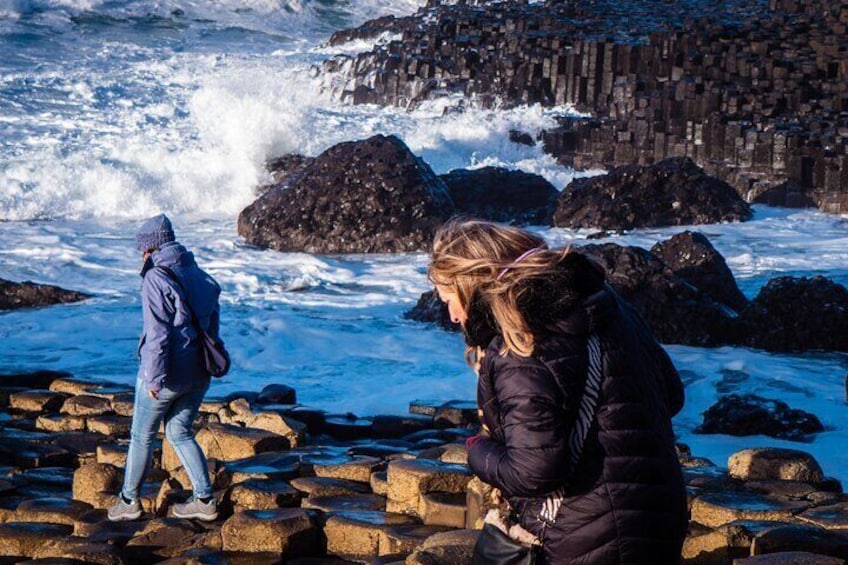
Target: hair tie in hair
{"points": [[521, 258]]}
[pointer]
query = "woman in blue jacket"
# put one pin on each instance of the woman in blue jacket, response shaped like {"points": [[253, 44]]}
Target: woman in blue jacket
{"points": [[172, 378], [533, 319]]}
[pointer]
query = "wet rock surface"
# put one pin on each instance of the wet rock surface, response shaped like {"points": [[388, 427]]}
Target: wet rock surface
{"points": [[798, 314], [749, 414], [672, 192], [684, 290], [501, 195], [693, 258], [676, 311], [357, 197], [654, 76], [31, 295], [405, 497]]}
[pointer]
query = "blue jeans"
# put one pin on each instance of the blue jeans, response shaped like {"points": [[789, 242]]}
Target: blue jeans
{"points": [[179, 409]]}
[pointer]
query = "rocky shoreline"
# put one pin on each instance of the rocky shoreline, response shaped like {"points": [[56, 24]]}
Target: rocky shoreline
{"points": [[297, 485], [687, 295], [753, 92]]}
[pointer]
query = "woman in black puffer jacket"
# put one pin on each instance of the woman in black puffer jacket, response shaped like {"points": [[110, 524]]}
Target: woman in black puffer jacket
{"points": [[528, 313]]}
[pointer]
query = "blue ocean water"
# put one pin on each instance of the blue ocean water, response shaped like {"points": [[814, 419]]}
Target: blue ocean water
{"points": [[112, 111]]}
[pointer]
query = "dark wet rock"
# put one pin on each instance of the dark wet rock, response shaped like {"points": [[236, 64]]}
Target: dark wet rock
{"points": [[772, 463], [93, 483], [52, 476], [391, 426], [675, 310], [798, 314], [371, 29], [347, 426], [312, 417], [790, 558], [431, 309], [109, 425], [31, 295], [86, 405], [277, 394], [365, 196], [346, 503], [79, 550], [286, 465], [162, 537], [36, 401], [715, 509], [692, 257], [51, 510], [830, 517], [443, 509], [22, 539], [788, 194], [387, 448], [327, 486], [654, 76], [454, 547], [502, 195], [456, 414], [743, 415], [353, 533], [230, 443], [672, 192], [410, 478], [36, 379], [264, 494], [353, 468], [285, 166], [290, 532], [448, 453], [522, 138], [208, 556], [28, 449], [440, 437]]}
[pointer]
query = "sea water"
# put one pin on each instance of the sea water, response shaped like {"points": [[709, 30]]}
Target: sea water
{"points": [[112, 111]]}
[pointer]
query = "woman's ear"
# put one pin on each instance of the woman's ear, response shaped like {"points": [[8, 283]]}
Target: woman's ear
{"points": [[480, 326]]}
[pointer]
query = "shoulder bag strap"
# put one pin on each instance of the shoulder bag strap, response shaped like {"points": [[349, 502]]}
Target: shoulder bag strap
{"points": [[176, 280], [577, 437]]}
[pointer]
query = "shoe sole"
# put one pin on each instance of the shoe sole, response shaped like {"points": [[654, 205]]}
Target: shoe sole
{"points": [[197, 516], [125, 517]]}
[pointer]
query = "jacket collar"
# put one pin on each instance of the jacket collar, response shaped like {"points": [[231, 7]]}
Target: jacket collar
{"points": [[595, 312]]}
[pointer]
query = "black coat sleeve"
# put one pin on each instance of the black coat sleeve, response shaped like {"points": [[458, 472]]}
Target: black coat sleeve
{"points": [[532, 460]]}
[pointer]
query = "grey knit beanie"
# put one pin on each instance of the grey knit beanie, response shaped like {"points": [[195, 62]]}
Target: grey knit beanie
{"points": [[154, 233]]}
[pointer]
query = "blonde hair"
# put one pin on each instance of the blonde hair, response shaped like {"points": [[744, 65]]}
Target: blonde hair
{"points": [[471, 256]]}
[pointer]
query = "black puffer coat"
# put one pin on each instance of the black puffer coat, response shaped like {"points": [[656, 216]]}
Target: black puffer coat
{"points": [[626, 501]]}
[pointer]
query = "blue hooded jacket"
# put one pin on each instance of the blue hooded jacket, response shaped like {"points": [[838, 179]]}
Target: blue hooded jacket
{"points": [[169, 348]]}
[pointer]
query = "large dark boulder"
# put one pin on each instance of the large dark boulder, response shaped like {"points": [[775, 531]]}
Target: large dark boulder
{"points": [[430, 308], [31, 295], [370, 196], [749, 414], [502, 195], [676, 311], [692, 257], [798, 314], [672, 192]]}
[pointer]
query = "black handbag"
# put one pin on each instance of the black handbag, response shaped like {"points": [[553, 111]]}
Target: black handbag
{"points": [[495, 547], [216, 358]]}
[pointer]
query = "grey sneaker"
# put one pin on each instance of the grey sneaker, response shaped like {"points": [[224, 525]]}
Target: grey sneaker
{"points": [[121, 511], [197, 510]]}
